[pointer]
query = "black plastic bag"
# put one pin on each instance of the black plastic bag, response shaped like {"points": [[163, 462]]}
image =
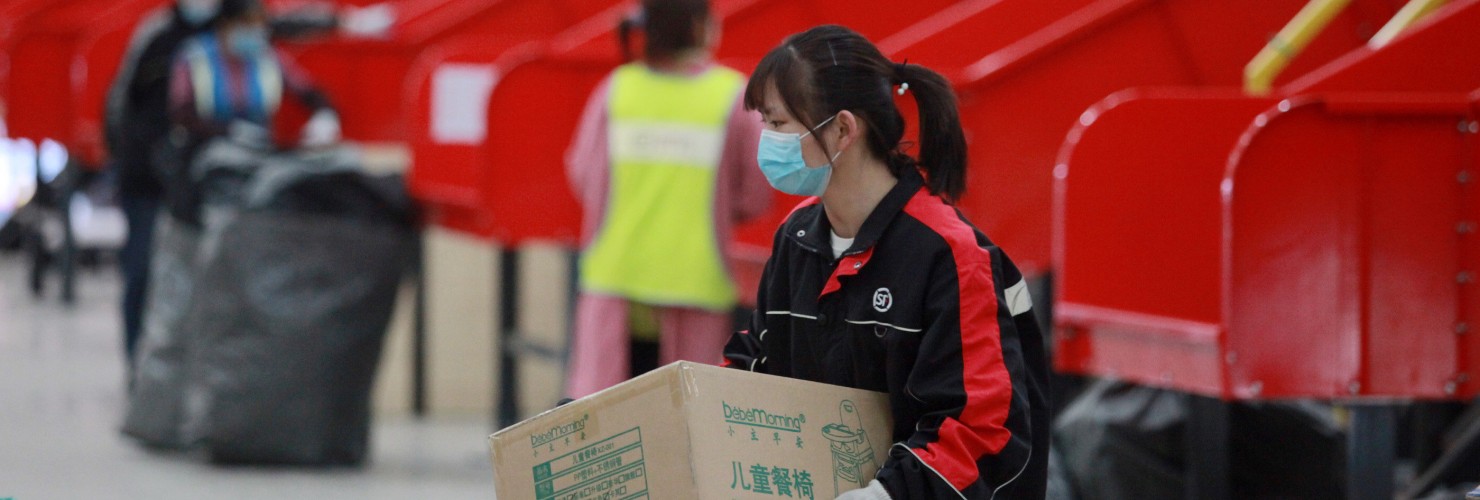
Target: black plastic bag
{"points": [[1124, 441], [156, 411], [302, 283], [266, 319], [293, 328], [164, 398]]}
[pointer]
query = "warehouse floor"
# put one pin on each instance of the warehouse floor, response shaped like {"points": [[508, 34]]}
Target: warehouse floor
{"points": [[62, 396]]}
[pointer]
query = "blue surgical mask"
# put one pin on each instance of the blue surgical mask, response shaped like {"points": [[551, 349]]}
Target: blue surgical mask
{"points": [[198, 12], [247, 42], [780, 158]]}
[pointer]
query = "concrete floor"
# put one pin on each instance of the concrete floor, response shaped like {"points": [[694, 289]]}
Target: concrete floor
{"points": [[62, 396]]}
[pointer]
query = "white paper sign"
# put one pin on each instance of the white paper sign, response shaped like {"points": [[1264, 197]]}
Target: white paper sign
{"points": [[460, 95]]}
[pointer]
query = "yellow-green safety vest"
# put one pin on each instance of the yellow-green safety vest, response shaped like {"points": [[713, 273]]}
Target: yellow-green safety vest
{"points": [[657, 244]]}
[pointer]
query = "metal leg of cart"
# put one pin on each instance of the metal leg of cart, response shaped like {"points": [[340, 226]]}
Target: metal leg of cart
{"points": [[69, 249], [508, 333], [1208, 467], [1371, 450], [513, 345], [419, 331]]}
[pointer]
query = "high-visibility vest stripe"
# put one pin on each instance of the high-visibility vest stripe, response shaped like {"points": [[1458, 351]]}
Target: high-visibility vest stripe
{"points": [[264, 78]]}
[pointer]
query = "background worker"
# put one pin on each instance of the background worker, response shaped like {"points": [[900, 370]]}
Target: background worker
{"points": [[663, 162], [137, 123], [230, 81]]}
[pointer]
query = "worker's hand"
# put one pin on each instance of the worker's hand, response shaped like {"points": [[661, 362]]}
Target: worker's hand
{"points": [[371, 21], [249, 134], [874, 491], [321, 130]]}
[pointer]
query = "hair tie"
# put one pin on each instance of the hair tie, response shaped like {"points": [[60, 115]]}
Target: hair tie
{"points": [[899, 71]]}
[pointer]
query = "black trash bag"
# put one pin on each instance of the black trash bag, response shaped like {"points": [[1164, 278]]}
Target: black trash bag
{"points": [[294, 322], [1059, 487], [223, 169], [333, 185], [162, 366], [1124, 441], [163, 397], [215, 172]]}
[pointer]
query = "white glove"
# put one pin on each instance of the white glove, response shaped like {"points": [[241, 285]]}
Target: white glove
{"points": [[874, 491], [248, 134], [373, 21], [321, 130]]}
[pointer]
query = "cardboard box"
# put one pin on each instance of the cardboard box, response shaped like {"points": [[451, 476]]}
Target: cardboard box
{"points": [[691, 431]]}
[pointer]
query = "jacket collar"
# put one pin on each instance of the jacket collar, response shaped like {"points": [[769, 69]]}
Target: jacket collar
{"points": [[811, 229]]}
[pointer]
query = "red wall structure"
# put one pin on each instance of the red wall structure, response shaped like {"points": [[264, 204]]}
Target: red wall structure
{"points": [[1320, 243]]}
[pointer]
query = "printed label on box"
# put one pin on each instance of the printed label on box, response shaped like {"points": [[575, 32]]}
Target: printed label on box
{"points": [[610, 469]]}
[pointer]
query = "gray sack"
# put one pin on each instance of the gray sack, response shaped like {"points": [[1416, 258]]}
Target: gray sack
{"points": [[302, 281], [156, 408]]}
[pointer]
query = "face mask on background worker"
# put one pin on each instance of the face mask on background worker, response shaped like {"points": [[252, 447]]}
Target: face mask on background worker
{"points": [[780, 159], [198, 12], [247, 41]]}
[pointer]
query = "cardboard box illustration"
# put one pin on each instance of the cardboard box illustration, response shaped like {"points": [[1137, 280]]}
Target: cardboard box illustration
{"points": [[692, 431]]}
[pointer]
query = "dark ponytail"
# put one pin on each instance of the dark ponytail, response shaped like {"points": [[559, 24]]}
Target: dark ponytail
{"points": [[942, 142], [669, 27], [825, 70]]}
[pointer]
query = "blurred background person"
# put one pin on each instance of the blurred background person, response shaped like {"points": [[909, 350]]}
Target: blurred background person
{"points": [[663, 163], [137, 124], [230, 81]]}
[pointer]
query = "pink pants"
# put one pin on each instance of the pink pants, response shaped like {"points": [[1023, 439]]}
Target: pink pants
{"points": [[601, 349]]}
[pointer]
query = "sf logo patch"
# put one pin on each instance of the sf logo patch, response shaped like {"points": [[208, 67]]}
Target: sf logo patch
{"points": [[883, 300]]}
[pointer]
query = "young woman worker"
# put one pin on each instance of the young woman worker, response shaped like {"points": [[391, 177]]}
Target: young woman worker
{"points": [[879, 283]]}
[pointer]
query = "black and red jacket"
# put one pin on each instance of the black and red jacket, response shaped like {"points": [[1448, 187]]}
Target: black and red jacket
{"points": [[925, 308]]}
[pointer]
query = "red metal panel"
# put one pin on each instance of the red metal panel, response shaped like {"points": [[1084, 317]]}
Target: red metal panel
{"points": [[959, 35], [752, 27], [541, 90], [442, 173], [1421, 60], [13, 15], [1138, 236], [445, 173], [1343, 249], [1039, 64], [531, 116], [373, 110], [95, 63], [1346, 249], [1335, 269], [1468, 305], [1291, 269], [1415, 207], [50, 67]]}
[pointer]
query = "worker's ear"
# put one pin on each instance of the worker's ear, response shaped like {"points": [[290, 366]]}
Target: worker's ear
{"points": [[849, 130]]}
